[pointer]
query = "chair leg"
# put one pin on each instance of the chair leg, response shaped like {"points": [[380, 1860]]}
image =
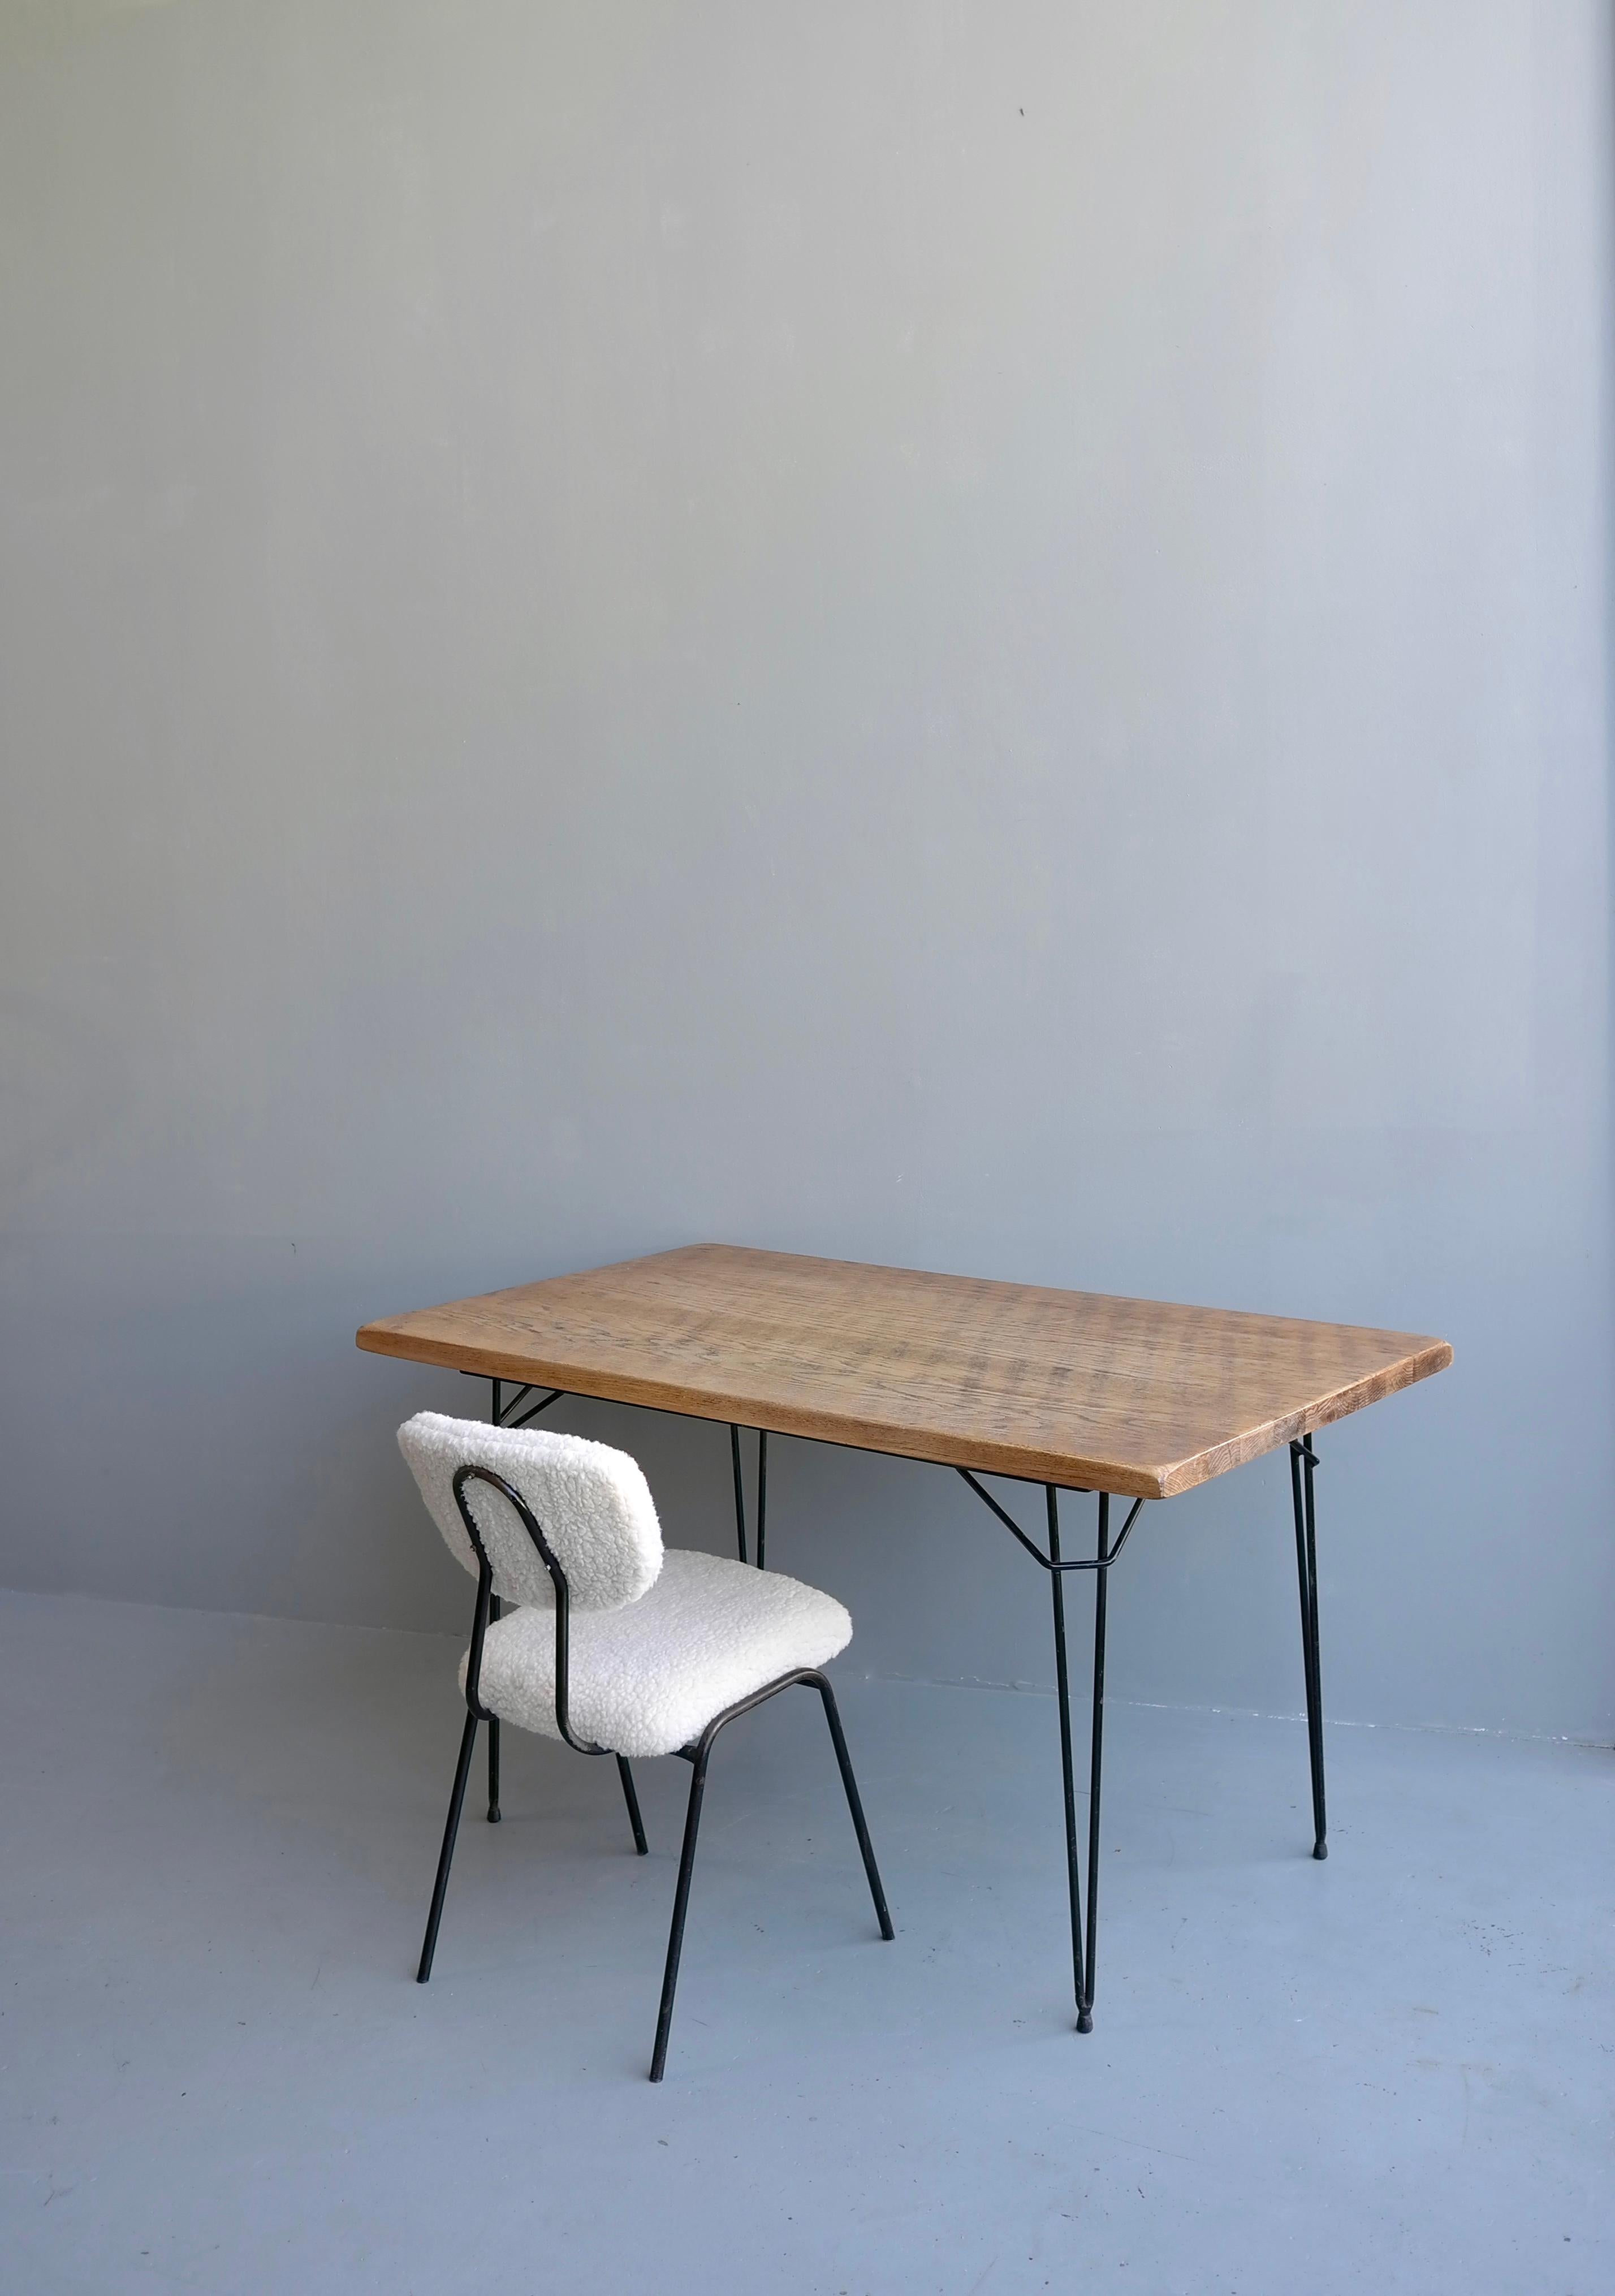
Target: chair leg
{"points": [[468, 1739], [494, 1609], [632, 1800], [681, 1907], [867, 1848], [697, 1757]]}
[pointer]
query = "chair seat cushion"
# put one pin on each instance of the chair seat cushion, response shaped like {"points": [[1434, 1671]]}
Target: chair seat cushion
{"points": [[648, 1679]]}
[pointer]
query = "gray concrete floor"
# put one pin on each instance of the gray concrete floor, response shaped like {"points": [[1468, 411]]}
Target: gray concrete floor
{"points": [[1388, 2072]]}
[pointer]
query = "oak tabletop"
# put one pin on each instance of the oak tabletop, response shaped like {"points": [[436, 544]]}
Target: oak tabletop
{"points": [[1130, 1396]]}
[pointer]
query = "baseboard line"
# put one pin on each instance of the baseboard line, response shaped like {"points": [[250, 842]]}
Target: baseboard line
{"points": [[1255, 1713], [919, 1681]]}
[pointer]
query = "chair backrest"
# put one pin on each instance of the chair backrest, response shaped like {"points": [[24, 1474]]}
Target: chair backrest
{"points": [[591, 1503]]}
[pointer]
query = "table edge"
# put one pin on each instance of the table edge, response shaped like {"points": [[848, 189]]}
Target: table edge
{"points": [[1068, 1470]]}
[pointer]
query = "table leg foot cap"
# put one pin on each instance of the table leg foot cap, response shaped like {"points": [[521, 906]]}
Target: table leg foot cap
{"points": [[1085, 2020], [493, 1813], [1320, 1849]]}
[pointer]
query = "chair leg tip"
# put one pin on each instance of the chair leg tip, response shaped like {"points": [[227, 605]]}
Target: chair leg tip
{"points": [[493, 1813], [1085, 2020], [1320, 1849]]}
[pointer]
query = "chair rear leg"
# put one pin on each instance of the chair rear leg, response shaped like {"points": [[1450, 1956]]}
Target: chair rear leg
{"points": [[632, 1798], [494, 1611], [681, 1907], [468, 1739], [819, 1683]]}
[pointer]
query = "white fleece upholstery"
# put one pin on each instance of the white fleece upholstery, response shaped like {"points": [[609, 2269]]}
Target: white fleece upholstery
{"points": [[648, 1678], [591, 1503]]}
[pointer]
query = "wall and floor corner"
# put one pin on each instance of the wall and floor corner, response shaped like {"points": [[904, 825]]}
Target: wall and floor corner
{"points": [[975, 639]]}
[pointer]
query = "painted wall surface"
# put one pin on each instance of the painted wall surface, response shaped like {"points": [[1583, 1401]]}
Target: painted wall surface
{"points": [[969, 636]]}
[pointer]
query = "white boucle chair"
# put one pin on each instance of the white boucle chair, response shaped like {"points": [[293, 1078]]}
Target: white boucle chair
{"points": [[616, 1645]]}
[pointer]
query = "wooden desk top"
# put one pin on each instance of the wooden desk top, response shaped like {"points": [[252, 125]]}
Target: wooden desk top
{"points": [[1129, 1396]]}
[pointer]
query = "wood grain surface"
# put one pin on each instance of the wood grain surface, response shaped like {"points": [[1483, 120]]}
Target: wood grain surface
{"points": [[1073, 1388]]}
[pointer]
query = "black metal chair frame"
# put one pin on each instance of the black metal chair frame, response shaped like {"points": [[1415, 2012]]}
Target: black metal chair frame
{"points": [[1303, 1465], [697, 1754]]}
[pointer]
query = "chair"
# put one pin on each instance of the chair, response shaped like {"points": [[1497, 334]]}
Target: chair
{"points": [[616, 1645]]}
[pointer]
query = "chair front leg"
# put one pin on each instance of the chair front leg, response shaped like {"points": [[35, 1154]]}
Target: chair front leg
{"points": [[865, 1847], [468, 1739], [697, 1757], [681, 1905]]}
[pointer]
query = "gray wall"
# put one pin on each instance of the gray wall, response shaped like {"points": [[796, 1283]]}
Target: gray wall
{"points": [[969, 636]]}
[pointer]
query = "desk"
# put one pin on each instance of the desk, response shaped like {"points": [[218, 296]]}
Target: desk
{"points": [[1130, 1399]]}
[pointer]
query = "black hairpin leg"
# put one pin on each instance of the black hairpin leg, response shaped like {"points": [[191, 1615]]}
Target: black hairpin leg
{"points": [[762, 1496], [740, 1495], [468, 1739], [1062, 1684], [697, 1756], [493, 1739], [1303, 1461], [1084, 2007], [1056, 1565], [632, 1800], [1083, 1961]]}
